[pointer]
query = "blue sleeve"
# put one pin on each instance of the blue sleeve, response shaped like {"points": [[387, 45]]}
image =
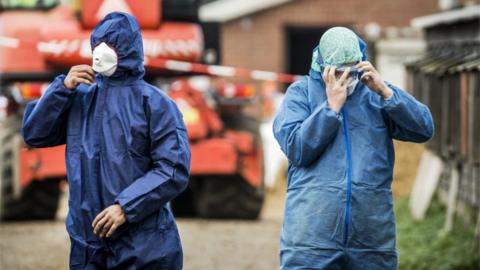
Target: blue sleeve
{"points": [[407, 119], [302, 134], [170, 153], [45, 120]]}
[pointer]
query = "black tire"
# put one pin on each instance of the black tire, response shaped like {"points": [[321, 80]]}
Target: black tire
{"points": [[182, 206], [249, 124], [38, 201], [6, 184], [228, 197], [231, 197], [10, 142]]}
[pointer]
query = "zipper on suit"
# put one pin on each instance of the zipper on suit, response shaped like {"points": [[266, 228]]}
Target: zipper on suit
{"points": [[349, 174]]}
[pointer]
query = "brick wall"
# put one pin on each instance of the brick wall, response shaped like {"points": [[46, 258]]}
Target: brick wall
{"points": [[258, 41]]}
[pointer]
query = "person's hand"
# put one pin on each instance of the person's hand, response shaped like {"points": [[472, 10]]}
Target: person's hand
{"points": [[373, 80], [79, 74], [105, 224], [336, 89]]}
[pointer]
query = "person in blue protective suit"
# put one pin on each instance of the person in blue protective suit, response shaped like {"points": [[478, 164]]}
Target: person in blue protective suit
{"points": [[127, 154], [336, 127]]}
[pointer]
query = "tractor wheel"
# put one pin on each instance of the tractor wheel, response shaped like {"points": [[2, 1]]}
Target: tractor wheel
{"points": [[182, 206], [10, 142], [232, 196], [7, 183], [228, 197], [39, 201]]}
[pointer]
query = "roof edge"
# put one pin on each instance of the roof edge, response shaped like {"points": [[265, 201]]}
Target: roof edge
{"points": [[227, 10], [446, 17]]}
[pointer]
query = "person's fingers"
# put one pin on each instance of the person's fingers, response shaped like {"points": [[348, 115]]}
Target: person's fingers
{"points": [[106, 227], [75, 74], [363, 64], [72, 82], [85, 75], [344, 76], [98, 218], [359, 65], [68, 79], [366, 76], [112, 229], [81, 80], [347, 81], [99, 226], [366, 66], [91, 77], [325, 74], [331, 74], [72, 69], [366, 69], [85, 68]]}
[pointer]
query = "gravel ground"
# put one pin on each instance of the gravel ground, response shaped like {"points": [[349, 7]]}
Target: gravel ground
{"points": [[207, 244]]}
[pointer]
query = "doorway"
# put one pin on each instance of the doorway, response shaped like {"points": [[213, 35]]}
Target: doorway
{"points": [[300, 42]]}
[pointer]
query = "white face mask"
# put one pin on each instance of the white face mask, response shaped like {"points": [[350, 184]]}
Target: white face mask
{"points": [[104, 59], [351, 86]]}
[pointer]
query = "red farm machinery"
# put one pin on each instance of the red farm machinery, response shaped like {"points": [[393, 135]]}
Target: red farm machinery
{"points": [[41, 39]]}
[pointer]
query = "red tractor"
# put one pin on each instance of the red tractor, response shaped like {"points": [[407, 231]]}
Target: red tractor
{"points": [[39, 41]]}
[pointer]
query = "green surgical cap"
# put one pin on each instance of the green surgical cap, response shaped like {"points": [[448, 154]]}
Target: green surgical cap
{"points": [[339, 46], [315, 66]]}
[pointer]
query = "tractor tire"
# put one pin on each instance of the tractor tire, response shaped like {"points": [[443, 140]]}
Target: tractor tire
{"points": [[182, 205], [38, 201], [228, 197], [7, 179], [231, 196], [10, 142], [245, 123]]}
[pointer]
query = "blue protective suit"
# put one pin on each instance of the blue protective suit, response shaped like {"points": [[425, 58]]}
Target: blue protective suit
{"points": [[126, 143], [339, 210]]}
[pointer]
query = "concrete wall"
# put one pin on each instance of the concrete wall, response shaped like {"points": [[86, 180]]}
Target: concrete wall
{"points": [[393, 54]]}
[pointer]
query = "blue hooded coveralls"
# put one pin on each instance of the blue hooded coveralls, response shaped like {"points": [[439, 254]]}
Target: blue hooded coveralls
{"points": [[339, 209], [126, 143]]}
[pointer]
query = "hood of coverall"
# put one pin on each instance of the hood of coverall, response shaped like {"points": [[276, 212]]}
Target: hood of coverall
{"points": [[121, 32], [317, 60]]}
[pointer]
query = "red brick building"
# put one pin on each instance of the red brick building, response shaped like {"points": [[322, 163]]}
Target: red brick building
{"points": [[280, 37]]}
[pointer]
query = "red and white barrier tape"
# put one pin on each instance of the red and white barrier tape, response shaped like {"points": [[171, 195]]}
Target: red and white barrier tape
{"points": [[174, 65], [222, 71], [43, 47]]}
